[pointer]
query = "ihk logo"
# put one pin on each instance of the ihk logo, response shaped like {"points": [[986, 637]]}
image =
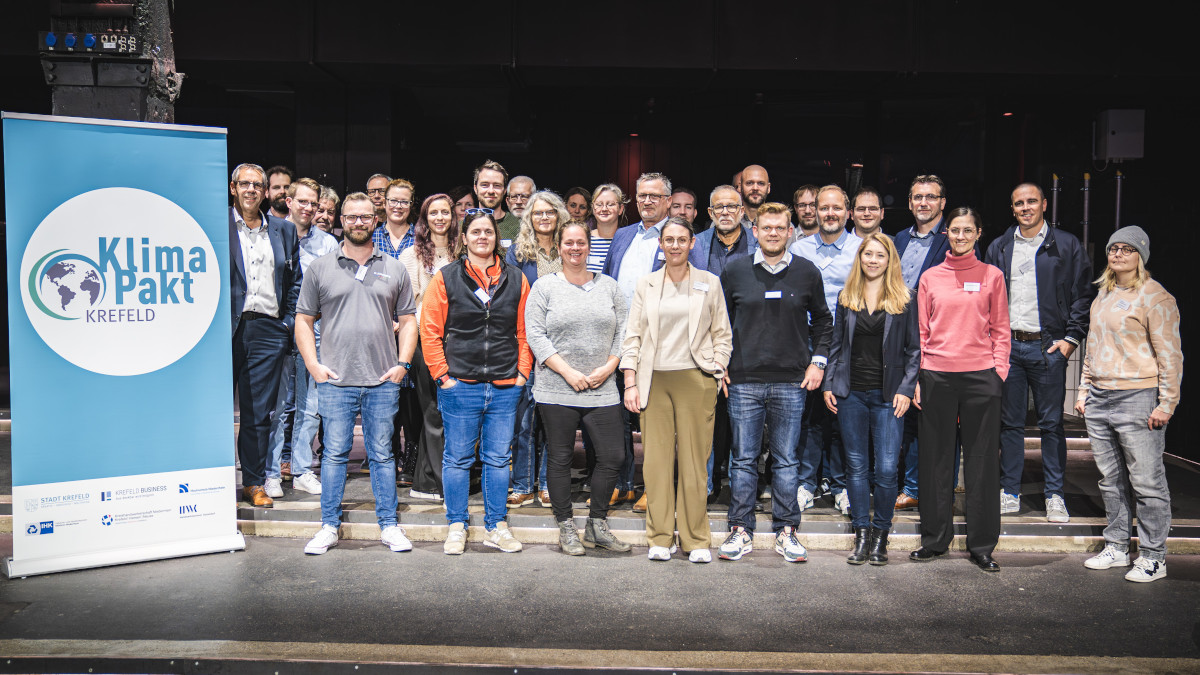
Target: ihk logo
{"points": [[188, 508], [31, 528], [183, 487]]}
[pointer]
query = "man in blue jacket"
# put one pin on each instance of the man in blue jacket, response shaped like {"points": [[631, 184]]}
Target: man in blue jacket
{"points": [[1049, 295]]}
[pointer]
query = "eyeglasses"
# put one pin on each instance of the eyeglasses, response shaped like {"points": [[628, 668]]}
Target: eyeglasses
{"points": [[518, 197], [248, 185], [369, 218], [804, 206], [725, 208], [305, 203], [650, 198], [397, 203], [866, 209], [545, 214], [471, 212], [1121, 250], [375, 191], [926, 198]]}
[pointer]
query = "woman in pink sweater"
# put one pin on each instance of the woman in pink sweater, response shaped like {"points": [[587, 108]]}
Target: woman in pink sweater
{"points": [[962, 312]]}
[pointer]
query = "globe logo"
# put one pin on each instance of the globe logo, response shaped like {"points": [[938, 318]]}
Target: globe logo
{"points": [[65, 285]]}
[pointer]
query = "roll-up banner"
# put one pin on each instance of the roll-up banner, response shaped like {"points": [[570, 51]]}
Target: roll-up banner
{"points": [[118, 306]]}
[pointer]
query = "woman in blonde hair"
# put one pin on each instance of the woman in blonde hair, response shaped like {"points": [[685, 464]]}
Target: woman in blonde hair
{"points": [[869, 383]]}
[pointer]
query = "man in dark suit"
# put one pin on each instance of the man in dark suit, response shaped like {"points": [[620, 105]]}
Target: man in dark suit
{"points": [[264, 281]]}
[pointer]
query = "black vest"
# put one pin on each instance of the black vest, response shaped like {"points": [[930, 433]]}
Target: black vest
{"points": [[481, 340]]}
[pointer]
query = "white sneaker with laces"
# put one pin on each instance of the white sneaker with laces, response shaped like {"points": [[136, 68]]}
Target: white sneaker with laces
{"points": [[1109, 557], [308, 483], [1056, 510], [1011, 504], [700, 555], [804, 498], [456, 540], [1146, 570], [737, 544], [393, 537], [417, 494], [842, 502], [661, 552], [788, 546], [327, 538], [274, 488], [500, 537]]}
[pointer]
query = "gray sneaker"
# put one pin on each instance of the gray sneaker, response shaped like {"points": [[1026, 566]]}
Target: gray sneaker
{"points": [[1009, 503], [456, 540], [1056, 510], [500, 537], [596, 533], [737, 544], [804, 498], [568, 538]]}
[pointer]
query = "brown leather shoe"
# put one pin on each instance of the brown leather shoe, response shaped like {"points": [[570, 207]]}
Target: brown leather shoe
{"points": [[518, 499], [904, 502], [618, 497], [640, 506], [257, 496], [285, 469], [544, 497]]}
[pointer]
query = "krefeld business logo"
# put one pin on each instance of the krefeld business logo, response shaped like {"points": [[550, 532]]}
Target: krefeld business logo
{"points": [[120, 281]]}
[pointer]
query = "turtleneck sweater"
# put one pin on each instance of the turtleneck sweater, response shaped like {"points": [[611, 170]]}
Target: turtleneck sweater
{"points": [[962, 308]]}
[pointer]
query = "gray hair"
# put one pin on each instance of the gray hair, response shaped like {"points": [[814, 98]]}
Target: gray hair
{"points": [[655, 176], [238, 169], [713, 195], [379, 175], [532, 185], [526, 243], [329, 194]]}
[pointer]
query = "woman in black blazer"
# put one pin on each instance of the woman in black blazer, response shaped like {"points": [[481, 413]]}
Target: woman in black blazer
{"points": [[869, 384]]}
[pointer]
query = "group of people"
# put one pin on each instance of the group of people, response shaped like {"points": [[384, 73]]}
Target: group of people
{"points": [[495, 322]]}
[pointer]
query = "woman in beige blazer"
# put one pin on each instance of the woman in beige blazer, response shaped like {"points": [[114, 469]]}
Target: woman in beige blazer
{"points": [[677, 345]]}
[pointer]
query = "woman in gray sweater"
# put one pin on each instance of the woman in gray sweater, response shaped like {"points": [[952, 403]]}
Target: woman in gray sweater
{"points": [[574, 322]]}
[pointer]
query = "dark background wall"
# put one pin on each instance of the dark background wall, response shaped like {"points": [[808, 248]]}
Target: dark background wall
{"points": [[583, 93]]}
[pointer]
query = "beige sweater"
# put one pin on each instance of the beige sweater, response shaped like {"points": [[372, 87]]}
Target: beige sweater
{"points": [[1133, 343], [418, 276]]}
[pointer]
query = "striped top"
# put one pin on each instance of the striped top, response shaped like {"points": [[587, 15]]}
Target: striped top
{"points": [[598, 253]]}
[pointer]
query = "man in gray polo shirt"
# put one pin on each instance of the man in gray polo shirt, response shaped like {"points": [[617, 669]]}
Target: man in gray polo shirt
{"points": [[355, 291]]}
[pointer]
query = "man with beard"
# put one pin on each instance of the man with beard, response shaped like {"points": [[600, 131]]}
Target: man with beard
{"points": [[866, 212], [805, 202], [377, 192], [490, 181], [520, 189], [278, 179], [729, 238], [264, 280], [356, 291], [326, 216], [756, 185], [772, 298], [832, 250]]}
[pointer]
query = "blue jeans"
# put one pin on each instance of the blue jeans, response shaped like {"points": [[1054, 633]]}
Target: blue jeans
{"points": [[867, 419], [780, 405], [339, 406], [1130, 457], [1046, 374], [821, 454], [908, 452], [483, 414], [527, 451], [301, 389], [281, 420]]}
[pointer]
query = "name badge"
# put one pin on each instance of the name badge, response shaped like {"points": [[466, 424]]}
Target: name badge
{"points": [[825, 262], [482, 295], [773, 295], [506, 243], [589, 285], [700, 286], [1024, 269], [361, 273], [971, 286], [661, 256], [381, 275], [595, 260], [1123, 305]]}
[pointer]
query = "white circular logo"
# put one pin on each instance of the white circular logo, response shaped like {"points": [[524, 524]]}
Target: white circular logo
{"points": [[120, 281]]}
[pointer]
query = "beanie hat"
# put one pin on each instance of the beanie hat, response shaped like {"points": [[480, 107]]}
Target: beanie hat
{"points": [[1135, 237]]}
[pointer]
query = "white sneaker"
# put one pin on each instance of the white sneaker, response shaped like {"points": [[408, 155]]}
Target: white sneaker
{"points": [[456, 540], [700, 555], [393, 537], [327, 538], [788, 546], [1056, 510], [1109, 557], [1011, 504], [502, 538], [274, 488], [661, 552], [737, 544], [841, 502], [308, 483], [804, 498], [417, 494], [1145, 570]]}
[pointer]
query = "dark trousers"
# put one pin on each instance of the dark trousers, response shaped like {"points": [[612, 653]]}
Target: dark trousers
{"points": [[260, 346], [607, 430], [972, 398], [408, 419], [1032, 367], [427, 476]]}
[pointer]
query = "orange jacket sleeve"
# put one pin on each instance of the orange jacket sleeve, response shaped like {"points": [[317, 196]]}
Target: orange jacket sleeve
{"points": [[433, 327], [524, 354]]}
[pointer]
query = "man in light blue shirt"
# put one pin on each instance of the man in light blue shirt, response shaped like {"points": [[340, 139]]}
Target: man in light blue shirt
{"points": [[635, 252], [832, 250]]}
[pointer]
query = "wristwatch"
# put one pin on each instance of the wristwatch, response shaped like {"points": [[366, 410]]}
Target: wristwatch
{"points": [[819, 364], [443, 379], [407, 364]]}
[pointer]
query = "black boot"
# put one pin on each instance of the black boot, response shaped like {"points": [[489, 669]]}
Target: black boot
{"points": [[878, 553], [861, 541]]}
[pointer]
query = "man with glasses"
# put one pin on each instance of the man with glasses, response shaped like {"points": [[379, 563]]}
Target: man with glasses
{"points": [[264, 281], [295, 422], [920, 247], [326, 216], [520, 189], [377, 191], [832, 250], [1049, 297], [867, 212], [278, 179], [805, 202], [635, 251], [756, 185]]}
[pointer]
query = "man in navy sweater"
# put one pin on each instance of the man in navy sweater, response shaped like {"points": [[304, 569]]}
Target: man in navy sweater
{"points": [[772, 296]]}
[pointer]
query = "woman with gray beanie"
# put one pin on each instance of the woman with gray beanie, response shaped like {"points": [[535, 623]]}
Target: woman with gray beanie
{"points": [[1130, 387]]}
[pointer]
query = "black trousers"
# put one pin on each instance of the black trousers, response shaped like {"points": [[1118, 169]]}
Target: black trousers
{"points": [[260, 346], [607, 430], [408, 419], [427, 475], [969, 400]]}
